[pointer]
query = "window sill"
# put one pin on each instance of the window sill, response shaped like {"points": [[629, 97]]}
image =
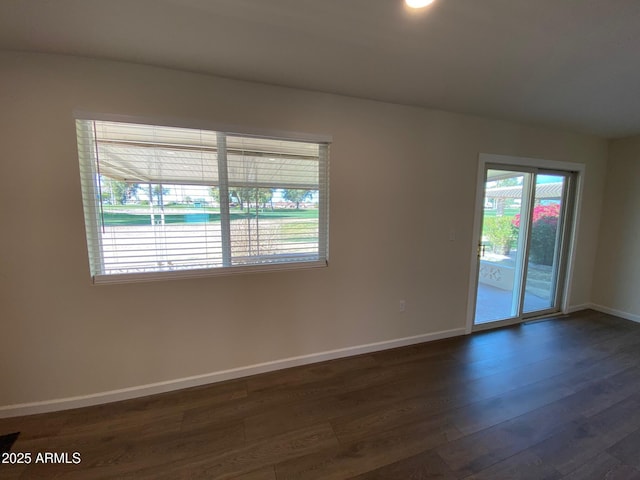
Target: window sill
{"points": [[203, 272]]}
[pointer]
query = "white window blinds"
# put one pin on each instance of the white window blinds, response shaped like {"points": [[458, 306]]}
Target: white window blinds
{"points": [[164, 201]]}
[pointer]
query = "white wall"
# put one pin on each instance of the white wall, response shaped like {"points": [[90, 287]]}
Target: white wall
{"points": [[401, 179], [619, 249]]}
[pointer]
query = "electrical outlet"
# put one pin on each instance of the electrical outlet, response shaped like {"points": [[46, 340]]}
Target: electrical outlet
{"points": [[403, 306]]}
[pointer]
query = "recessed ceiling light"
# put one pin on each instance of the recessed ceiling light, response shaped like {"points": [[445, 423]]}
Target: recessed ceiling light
{"points": [[417, 3]]}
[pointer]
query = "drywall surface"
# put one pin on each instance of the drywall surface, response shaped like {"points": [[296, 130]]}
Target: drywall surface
{"points": [[401, 178], [617, 275]]}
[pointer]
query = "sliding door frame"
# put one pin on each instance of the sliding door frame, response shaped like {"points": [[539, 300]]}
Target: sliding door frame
{"points": [[569, 231]]}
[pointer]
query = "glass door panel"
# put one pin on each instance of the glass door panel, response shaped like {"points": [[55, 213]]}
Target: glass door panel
{"points": [[545, 242], [502, 246]]}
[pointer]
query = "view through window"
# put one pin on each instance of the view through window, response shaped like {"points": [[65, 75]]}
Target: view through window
{"points": [[166, 200]]}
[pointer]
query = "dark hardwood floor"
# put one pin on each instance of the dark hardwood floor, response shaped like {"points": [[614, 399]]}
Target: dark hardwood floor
{"points": [[557, 399]]}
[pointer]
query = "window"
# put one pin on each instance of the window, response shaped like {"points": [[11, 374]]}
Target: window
{"points": [[164, 201]]}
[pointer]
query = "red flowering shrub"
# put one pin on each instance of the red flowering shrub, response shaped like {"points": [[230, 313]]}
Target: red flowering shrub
{"points": [[543, 232], [549, 213]]}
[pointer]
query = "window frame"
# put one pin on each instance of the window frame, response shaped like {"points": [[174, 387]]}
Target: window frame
{"points": [[93, 224]]}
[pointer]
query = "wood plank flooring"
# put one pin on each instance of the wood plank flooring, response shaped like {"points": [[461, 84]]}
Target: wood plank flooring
{"points": [[557, 399]]}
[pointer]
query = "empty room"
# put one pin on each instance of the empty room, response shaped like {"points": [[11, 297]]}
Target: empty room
{"points": [[341, 239]]}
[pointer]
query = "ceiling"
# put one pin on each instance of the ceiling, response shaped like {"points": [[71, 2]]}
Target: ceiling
{"points": [[570, 64]]}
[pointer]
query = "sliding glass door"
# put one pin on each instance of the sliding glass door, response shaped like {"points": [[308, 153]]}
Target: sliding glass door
{"points": [[522, 251]]}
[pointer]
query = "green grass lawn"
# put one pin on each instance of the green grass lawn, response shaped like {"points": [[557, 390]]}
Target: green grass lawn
{"points": [[508, 212], [113, 217], [300, 231]]}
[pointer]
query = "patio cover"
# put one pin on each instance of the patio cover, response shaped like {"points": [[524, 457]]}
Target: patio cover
{"points": [[543, 190], [151, 154]]}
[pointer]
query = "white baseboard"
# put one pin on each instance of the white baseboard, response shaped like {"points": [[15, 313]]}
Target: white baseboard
{"points": [[618, 313], [32, 408], [577, 308]]}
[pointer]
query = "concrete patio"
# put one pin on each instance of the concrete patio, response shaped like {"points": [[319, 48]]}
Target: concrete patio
{"points": [[495, 288], [495, 304]]}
